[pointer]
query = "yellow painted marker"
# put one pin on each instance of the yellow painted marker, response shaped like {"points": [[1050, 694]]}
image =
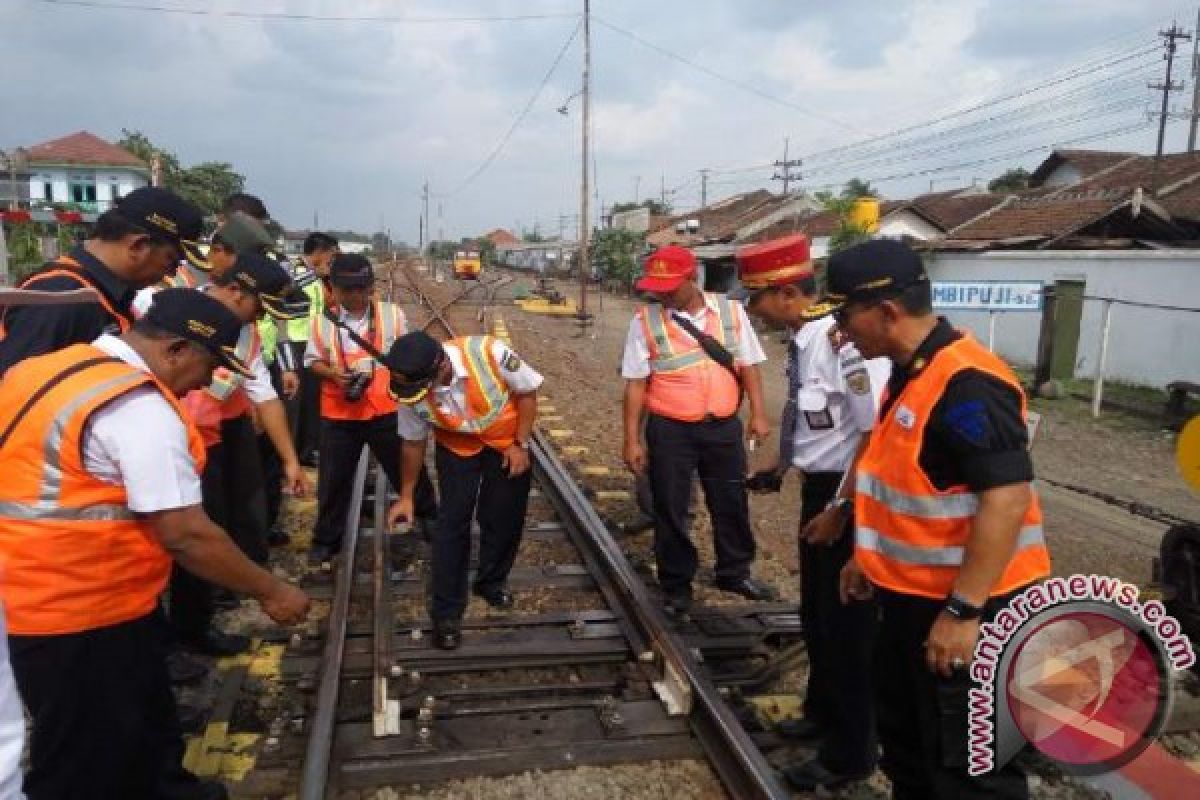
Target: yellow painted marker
{"points": [[1187, 453]]}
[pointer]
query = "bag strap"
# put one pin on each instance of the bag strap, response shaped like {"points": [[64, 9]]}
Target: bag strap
{"points": [[711, 347], [370, 349]]}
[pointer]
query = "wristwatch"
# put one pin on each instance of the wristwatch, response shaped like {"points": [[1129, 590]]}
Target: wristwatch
{"points": [[959, 608], [842, 504]]}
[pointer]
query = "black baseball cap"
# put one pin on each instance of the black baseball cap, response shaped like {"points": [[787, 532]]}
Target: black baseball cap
{"points": [[161, 212], [202, 319], [267, 278], [870, 270], [413, 361], [351, 271]]}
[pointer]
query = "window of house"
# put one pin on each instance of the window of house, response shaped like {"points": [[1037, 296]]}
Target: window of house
{"points": [[48, 191], [114, 191], [82, 189]]}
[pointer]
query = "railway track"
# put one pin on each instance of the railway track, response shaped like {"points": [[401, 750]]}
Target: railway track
{"points": [[586, 670]]}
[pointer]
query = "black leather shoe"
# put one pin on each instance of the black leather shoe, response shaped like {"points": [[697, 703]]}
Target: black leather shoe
{"points": [[677, 603], [446, 634], [184, 669], [749, 588], [812, 775], [215, 643], [802, 729], [496, 598]]}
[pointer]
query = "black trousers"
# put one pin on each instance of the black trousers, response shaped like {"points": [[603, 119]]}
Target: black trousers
{"points": [[304, 410], [341, 443], [923, 716], [477, 486], [235, 499], [272, 466], [840, 640], [713, 449], [104, 720]]}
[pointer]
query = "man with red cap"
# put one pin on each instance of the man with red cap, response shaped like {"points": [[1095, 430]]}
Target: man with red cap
{"points": [[689, 356], [830, 410]]}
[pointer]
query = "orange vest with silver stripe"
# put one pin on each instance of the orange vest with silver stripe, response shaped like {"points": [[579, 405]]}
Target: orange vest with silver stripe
{"points": [[224, 398], [65, 266], [685, 384], [910, 536], [73, 557], [388, 324], [185, 277], [491, 414]]}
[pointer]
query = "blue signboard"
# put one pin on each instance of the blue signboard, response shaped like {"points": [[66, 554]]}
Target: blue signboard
{"points": [[987, 295]]}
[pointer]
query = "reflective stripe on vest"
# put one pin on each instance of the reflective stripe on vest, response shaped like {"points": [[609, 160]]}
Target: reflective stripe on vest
{"points": [[664, 358], [910, 535], [388, 325], [871, 539], [225, 382], [73, 555], [481, 369]]}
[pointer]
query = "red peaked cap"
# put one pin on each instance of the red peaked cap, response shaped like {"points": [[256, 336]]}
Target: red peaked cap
{"points": [[666, 268], [774, 263]]}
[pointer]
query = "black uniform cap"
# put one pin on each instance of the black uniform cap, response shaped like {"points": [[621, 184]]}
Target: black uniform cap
{"points": [[161, 212], [868, 271], [267, 278], [202, 319], [413, 361], [351, 271]]}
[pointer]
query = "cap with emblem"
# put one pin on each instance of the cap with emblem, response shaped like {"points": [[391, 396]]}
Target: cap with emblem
{"points": [[666, 268], [872, 270], [774, 263], [242, 233], [202, 319], [271, 282], [413, 361], [161, 212], [351, 271]]}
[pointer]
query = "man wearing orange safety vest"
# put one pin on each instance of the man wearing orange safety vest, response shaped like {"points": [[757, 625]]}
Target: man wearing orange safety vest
{"points": [[688, 358], [132, 245], [479, 399], [947, 526], [356, 407], [101, 493], [253, 285]]}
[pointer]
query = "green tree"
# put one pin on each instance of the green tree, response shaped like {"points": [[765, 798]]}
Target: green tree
{"points": [[1013, 180], [856, 188], [847, 233], [614, 253], [206, 184], [532, 236], [654, 206]]}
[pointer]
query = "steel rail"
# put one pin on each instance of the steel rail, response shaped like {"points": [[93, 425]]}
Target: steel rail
{"points": [[385, 708], [314, 775], [738, 761]]}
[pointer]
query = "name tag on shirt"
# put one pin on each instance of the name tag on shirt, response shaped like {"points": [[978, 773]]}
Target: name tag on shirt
{"points": [[905, 417]]}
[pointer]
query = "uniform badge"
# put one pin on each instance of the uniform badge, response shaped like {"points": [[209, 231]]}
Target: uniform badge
{"points": [[905, 417], [858, 381], [512, 362]]}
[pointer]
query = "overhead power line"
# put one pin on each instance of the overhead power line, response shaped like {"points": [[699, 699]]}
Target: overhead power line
{"points": [[712, 73], [292, 16], [491, 157]]}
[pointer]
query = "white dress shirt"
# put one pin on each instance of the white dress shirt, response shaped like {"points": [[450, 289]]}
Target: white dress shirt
{"points": [[837, 399], [635, 362], [138, 441], [452, 398]]}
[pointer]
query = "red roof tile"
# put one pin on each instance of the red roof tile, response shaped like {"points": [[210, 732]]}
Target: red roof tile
{"points": [[720, 220], [83, 148], [502, 238], [1088, 162], [1047, 217], [948, 210]]}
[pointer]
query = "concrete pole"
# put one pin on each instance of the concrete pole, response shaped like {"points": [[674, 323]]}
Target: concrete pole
{"points": [[992, 331], [585, 213], [1098, 380]]}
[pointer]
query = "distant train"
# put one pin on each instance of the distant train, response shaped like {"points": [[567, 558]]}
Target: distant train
{"points": [[467, 265]]}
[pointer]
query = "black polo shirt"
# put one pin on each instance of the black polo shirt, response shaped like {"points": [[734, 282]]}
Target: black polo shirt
{"points": [[36, 330], [975, 436]]}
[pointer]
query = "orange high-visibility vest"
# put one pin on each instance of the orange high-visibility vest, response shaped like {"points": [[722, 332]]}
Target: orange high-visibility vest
{"points": [[387, 324], [73, 557], [685, 384], [185, 277], [65, 266], [910, 536], [491, 413], [224, 398]]}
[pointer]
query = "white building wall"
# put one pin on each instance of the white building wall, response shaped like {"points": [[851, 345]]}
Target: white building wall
{"points": [[1146, 346], [126, 180], [905, 223]]}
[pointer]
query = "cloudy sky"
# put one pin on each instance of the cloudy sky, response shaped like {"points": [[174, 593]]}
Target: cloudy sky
{"points": [[347, 117]]}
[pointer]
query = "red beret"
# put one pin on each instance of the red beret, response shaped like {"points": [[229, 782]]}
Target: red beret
{"points": [[666, 268], [774, 263]]}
